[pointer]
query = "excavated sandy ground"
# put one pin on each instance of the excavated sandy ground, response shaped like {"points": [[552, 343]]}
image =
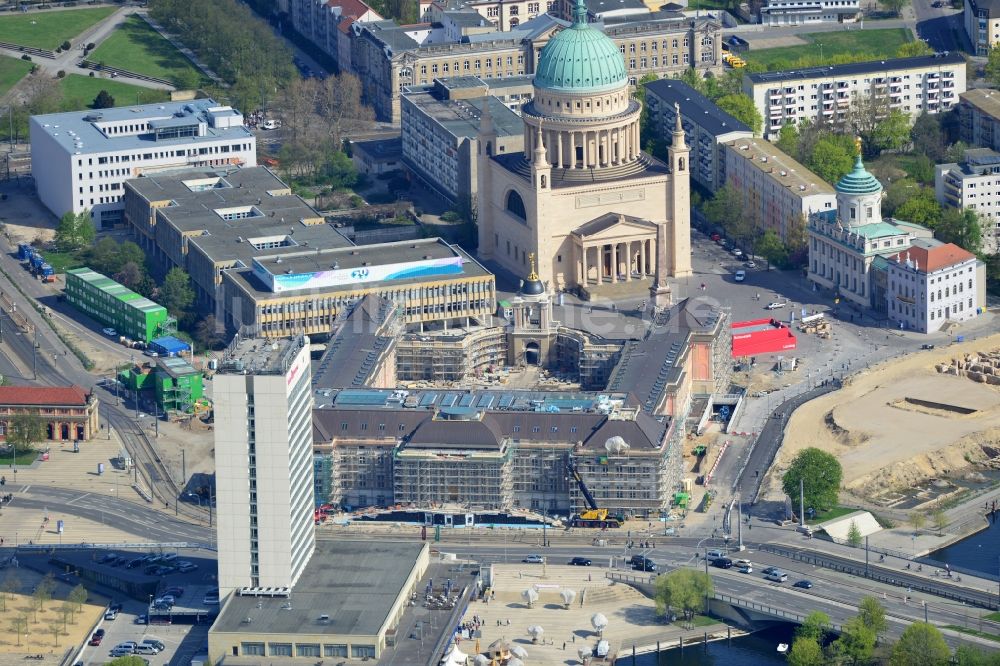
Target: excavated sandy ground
{"points": [[884, 442]]}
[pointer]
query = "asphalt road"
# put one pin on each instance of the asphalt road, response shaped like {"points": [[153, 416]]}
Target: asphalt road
{"points": [[940, 27]]}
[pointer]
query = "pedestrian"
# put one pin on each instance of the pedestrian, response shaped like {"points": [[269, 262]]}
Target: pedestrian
{"points": [[574, 638], [564, 645]]}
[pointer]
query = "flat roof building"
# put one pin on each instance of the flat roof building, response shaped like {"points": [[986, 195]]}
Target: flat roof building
{"points": [[777, 190], [264, 463], [981, 19], [974, 184], [207, 221], [347, 599], [921, 84], [706, 127], [83, 158], [440, 126], [979, 118]]}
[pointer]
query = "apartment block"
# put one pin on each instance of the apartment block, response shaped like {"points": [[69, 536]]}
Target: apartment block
{"points": [[981, 19], [264, 463], [440, 129], [706, 127], [922, 84], [979, 118], [777, 190], [974, 184], [809, 12], [327, 24], [83, 158]]}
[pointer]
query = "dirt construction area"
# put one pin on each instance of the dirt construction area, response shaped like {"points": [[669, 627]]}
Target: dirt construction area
{"points": [[903, 422]]}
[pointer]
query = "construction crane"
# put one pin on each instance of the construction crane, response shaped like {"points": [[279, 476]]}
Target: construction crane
{"points": [[594, 516]]}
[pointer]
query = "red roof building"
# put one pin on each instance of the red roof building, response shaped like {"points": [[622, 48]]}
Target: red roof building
{"points": [[69, 412]]}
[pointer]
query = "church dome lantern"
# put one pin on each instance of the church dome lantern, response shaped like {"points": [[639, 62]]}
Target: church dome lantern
{"points": [[580, 59]]}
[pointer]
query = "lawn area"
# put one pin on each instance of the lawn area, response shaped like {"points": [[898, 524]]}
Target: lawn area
{"points": [[62, 261], [993, 617], [871, 44], [973, 632], [12, 71], [830, 514], [19, 459], [709, 4], [79, 92], [138, 48], [47, 30]]}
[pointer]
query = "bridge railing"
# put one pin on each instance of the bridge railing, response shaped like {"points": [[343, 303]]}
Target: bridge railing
{"points": [[764, 608]]}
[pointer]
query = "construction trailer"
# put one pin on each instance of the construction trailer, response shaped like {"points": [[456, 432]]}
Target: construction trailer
{"points": [[117, 306]]}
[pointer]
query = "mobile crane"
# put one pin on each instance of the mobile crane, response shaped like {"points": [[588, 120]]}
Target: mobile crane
{"points": [[594, 516]]}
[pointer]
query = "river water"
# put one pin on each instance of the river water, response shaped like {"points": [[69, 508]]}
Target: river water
{"points": [[979, 552], [759, 649]]}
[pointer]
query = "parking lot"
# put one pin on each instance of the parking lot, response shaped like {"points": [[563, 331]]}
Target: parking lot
{"points": [[137, 583]]}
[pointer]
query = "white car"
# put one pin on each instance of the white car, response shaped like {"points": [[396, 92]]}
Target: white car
{"points": [[740, 276], [737, 252], [534, 559], [744, 563], [774, 306], [751, 264], [110, 332]]}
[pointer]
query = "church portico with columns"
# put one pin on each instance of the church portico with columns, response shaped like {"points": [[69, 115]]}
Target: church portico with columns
{"points": [[582, 197]]}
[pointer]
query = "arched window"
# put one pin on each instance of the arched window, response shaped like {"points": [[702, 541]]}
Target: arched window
{"points": [[680, 164], [515, 205], [544, 181]]}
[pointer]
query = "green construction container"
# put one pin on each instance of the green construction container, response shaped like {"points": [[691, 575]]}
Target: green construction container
{"points": [[117, 306], [178, 385]]}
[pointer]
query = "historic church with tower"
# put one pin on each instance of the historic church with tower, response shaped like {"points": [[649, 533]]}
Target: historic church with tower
{"points": [[583, 198]]}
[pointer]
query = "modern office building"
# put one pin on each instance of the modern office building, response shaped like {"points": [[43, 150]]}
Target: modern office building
{"points": [[208, 221], [922, 84], [83, 158], [779, 192], [932, 283], [263, 463], [116, 306], [974, 184], [706, 127], [70, 413], [982, 24], [979, 118], [797, 12], [440, 129], [582, 198]]}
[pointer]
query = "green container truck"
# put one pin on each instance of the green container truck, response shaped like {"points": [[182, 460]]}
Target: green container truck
{"points": [[117, 306]]}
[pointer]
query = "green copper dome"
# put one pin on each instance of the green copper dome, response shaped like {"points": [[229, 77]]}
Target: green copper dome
{"points": [[580, 59], [859, 181]]}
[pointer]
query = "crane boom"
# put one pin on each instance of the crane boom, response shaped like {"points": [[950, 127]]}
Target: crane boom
{"points": [[583, 487]]}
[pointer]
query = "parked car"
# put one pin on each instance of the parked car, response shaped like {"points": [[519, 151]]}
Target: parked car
{"points": [[186, 567], [141, 619], [580, 562], [534, 559], [175, 592], [110, 332], [126, 645], [110, 615], [715, 237], [211, 599], [122, 652], [737, 252], [155, 642], [96, 638], [774, 305], [750, 263], [804, 584]]}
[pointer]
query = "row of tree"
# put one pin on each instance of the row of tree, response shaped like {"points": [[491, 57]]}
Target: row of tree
{"points": [[728, 210], [42, 595], [235, 44]]}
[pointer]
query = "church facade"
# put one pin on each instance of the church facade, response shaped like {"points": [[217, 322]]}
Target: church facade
{"points": [[582, 197]]}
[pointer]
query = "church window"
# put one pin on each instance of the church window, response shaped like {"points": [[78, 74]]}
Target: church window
{"points": [[543, 182], [622, 49], [674, 43], [687, 58], [558, 256], [515, 205], [868, 212], [680, 164]]}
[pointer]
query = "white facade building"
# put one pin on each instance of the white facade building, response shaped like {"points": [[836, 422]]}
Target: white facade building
{"points": [[264, 463], [982, 24], [83, 158], [915, 85], [975, 185], [805, 12], [931, 283]]}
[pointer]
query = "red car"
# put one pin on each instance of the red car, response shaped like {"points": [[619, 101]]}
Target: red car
{"points": [[97, 637], [715, 237]]}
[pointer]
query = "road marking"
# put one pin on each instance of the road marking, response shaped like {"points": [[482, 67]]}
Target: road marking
{"points": [[77, 499], [26, 489]]}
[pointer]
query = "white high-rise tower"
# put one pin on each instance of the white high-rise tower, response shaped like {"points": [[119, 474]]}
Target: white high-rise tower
{"points": [[263, 463]]}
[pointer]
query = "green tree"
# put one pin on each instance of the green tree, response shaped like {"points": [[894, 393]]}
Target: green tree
{"points": [[131, 275], [74, 232], [814, 627], [892, 132], [856, 644], [769, 246], [208, 333], [684, 589], [992, 70], [939, 519], [726, 204], [128, 660], [961, 227], [693, 79], [967, 655], [788, 139], [42, 595], [24, 431], [921, 208], [10, 586], [927, 137], [917, 519], [917, 47], [821, 474], [176, 294], [19, 625], [922, 170], [741, 107], [898, 193], [894, 6], [805, 652], [854, 537], [104, 100], [78, 597], [187, 79], [920, 645], [830, 159], [872, 615]]}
